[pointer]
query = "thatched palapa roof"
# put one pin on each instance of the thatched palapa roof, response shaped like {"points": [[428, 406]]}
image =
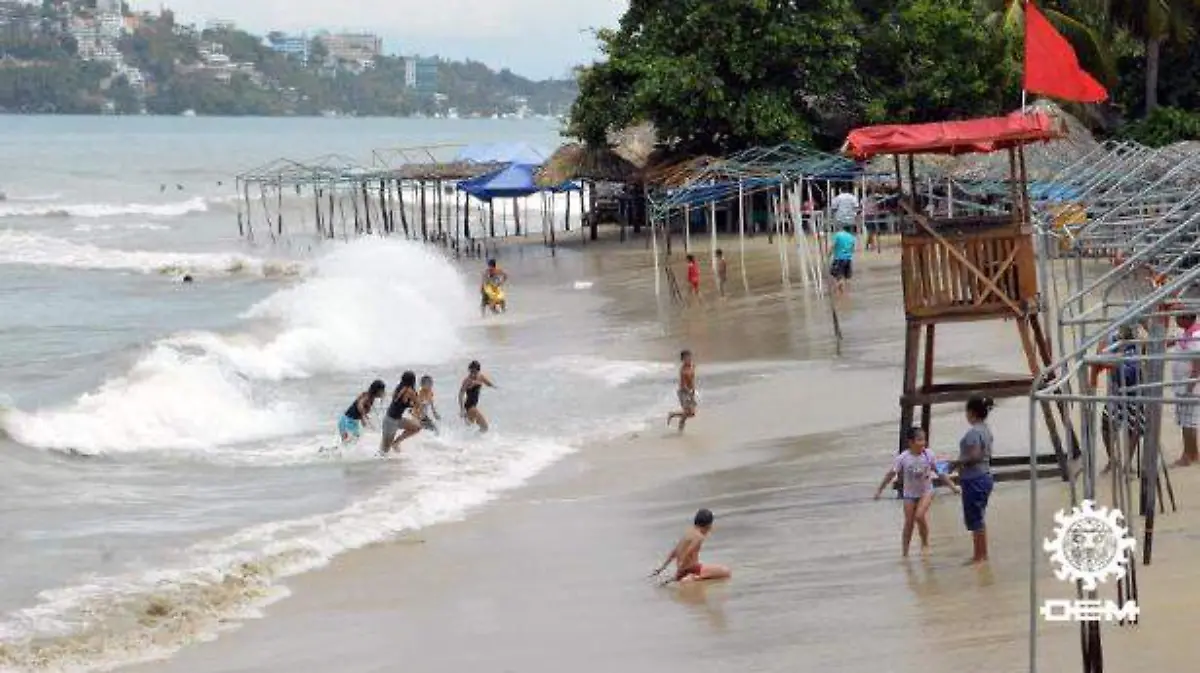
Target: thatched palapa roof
{"points": [[575, 161]]}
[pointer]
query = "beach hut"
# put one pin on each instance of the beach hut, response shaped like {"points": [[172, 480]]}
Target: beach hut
{"points": [[575, 163]]}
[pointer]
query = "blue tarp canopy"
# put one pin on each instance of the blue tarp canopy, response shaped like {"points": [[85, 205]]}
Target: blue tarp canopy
{"points": [[512, 181], [503, 153], [1050, 191], [698, 195]]}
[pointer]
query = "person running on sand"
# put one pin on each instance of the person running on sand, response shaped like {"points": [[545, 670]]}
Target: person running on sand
{"points": [[722, 272], [429, 412], [917, 468], [974, 466], [468, 395], [686, 555], [396, 421], [686, 392], [351, 423], [693, 276], [841, 266]]}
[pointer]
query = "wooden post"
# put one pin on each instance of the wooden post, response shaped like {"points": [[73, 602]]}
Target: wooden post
{"points": [[466, 219], [385, 209], [366, 207], [553, 242], [424, 223], [742, 232], [279, 206], [592, 209], [400, 198], [687, 230], [354, 204], [317, 210], [567, 222], [330, 220], [437, 201], [517, 215], [927, 381], [491, 218]]}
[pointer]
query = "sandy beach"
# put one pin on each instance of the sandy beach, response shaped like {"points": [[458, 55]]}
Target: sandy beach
{"points": [[553, 576]]}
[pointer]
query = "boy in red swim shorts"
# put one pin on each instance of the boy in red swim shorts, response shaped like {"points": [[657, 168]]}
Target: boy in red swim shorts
{"points": [[686, 554], [693, 275]]}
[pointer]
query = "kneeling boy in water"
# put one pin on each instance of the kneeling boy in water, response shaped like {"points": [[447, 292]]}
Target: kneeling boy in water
{"points": [[350, 425], [429, 412], [686, 554]]}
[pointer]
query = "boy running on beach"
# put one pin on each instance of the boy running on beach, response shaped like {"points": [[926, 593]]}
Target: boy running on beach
{"points": [[693, 276], [917, 466], [686, 555], [686, 392], [429, 412], [722, 272]]}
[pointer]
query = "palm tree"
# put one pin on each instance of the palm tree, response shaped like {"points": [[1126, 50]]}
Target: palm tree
{"points": [[1154, 22]]}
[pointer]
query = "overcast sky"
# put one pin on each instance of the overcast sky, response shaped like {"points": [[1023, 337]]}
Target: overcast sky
{"points": [[535, 38]]}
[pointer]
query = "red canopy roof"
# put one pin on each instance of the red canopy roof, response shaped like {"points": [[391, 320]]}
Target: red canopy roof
{"points": [[962, 137]]}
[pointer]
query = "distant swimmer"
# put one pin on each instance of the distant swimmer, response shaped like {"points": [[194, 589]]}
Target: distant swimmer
{"points": [[397, 421], [686, 392], [429, 412], [187, 279], [686, 554], [468, 395], [351, 424], [917, 469], [491, 289]]}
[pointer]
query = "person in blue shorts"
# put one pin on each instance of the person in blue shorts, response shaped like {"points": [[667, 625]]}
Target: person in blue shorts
{"points": [[840, 267], [350, 425], [974, 466]]}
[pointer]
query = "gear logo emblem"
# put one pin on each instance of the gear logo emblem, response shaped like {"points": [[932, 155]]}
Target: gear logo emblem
{"points": [[1091, 545]]}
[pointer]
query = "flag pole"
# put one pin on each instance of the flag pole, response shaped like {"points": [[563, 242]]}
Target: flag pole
{"points": [[1025, 36]]}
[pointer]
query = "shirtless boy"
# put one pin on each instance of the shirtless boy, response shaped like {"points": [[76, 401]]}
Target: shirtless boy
{"points": [[686, 392], [686, 555]]}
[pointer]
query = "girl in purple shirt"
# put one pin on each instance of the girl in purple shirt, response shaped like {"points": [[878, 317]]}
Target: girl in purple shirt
{"points": [[917, 468]]}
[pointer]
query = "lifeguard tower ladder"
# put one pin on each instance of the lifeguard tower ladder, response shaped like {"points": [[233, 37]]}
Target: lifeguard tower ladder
{"points": [[970, 268]]}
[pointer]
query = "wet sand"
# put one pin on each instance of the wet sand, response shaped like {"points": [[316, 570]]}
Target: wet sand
{"points": [[554, 576]]}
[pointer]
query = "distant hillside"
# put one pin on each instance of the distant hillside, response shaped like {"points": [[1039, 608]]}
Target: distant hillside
{"points": [[67, 59]]}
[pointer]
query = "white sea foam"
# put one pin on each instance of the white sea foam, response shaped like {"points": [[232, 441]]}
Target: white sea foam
{"points": [[98, 210], [124, 226], [614, 373], [370, 304], [34, 249], [110, 620]]}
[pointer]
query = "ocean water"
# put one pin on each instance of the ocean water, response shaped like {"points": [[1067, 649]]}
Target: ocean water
{"points": [[161, 442]]}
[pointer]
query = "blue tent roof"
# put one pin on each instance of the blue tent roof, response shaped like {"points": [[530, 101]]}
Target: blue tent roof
{"points": [[503, 153], [512, 181], [1050, 191]]}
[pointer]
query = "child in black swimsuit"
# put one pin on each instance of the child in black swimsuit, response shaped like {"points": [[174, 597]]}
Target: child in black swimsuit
{"points": [[404, 398], [468, 395]]}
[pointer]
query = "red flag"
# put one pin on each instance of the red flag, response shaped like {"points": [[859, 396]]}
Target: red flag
{"points": [[1051, 67]]}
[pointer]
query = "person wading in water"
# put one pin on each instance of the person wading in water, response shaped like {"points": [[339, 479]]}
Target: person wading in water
{"points": [[468, 395]]}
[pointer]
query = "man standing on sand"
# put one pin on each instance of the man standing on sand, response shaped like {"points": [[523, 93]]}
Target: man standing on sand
{"points": [[845, 208], [686, 392], [841, 266], [722, 272], [686, 554], [1185, 372]]}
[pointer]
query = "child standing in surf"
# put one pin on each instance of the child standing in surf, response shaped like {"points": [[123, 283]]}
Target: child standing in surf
{"points": [[917, 467], [686, 392], [350, 425], [468, 395], [429, 412]]}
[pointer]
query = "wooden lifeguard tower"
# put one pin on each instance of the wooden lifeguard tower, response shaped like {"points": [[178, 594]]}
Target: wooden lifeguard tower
{"points": [[958, 269]]}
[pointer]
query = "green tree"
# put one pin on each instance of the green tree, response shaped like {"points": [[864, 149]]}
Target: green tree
{"points": [[124, 97], [1155, 22], [926, 60], [719, 75]]}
